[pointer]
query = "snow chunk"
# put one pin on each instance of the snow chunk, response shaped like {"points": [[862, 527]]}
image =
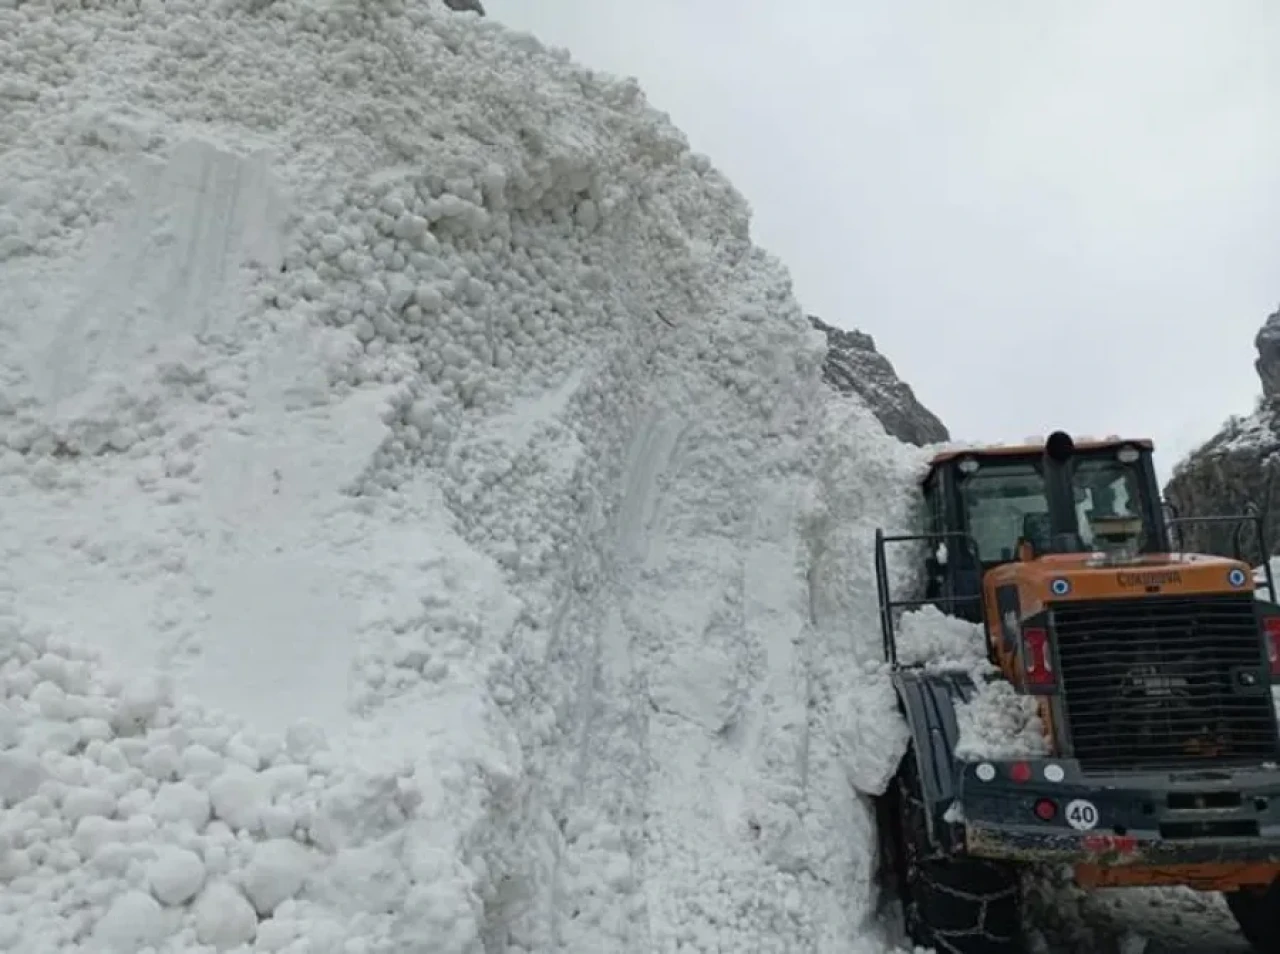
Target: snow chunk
{"points": [[1000, 723], [223, 917], [873, 736], [940, 642], [133, 921], [176, 875], [276, 873], [79, 802], [21, 776], [182, 802], [238, 796]]}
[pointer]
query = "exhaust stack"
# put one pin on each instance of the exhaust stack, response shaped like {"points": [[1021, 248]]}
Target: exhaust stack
{"points": [[1064, 528]]}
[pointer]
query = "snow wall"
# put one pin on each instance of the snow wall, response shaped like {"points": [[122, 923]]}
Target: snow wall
{"points": [[423, 524]]}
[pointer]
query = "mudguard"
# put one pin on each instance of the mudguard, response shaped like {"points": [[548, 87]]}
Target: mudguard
{"points": [[929, 705]]}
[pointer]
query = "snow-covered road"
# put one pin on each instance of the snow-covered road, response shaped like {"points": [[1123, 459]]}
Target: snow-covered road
{"points": [[1177, 922], [1140, 921]]}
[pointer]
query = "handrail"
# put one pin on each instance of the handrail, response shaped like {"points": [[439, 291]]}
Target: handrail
{"points": [[1251, 515], [889, 643]]}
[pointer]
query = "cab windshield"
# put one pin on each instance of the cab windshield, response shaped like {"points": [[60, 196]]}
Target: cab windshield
{"points": [[1106, 488], [1006, 502], [1000, 499]]}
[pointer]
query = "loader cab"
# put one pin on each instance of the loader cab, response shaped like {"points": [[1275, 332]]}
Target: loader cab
{"points": [[1026, 501]]}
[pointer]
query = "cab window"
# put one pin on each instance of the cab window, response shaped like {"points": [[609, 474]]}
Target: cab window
{"points": [[1106, 487], [933, 517], [1003, 503]]}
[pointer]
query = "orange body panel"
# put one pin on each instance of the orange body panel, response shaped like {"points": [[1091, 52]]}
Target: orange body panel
{"points": [[1206, 877], [1093, 579]]}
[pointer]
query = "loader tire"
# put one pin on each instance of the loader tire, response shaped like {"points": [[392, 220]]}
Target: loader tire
{"points": [[1257, 911], [955, 905]]}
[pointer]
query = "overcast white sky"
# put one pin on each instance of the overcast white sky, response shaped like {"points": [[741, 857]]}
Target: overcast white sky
{"points": [[1048, 214]]}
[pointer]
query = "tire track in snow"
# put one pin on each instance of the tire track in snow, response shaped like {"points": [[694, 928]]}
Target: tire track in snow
{"points": [[718, 615], [170, 267], [597, 877]]}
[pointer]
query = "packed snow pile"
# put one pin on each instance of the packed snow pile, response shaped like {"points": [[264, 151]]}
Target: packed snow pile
{"points": [[1000, 723], [997, 722], [424, 525], [932, 639], [129, 821]]}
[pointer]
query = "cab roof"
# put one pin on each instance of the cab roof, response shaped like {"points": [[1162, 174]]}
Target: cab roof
{"points": [[1032, 449]]}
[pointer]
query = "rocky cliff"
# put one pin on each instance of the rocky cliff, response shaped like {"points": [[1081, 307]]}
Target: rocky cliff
{"points": [[854, 366], [1238, 465]]}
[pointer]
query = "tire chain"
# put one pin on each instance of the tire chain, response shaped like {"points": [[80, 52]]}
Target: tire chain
{"points": [[917, 870], [982, 901]]}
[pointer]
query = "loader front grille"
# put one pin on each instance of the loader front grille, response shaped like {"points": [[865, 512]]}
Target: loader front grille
{"points": [[1165, 682]]}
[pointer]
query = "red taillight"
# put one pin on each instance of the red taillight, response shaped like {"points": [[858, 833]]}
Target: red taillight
{"points": [[1046, 809], [1020, 772], [1271, 626], [1037, 656]]}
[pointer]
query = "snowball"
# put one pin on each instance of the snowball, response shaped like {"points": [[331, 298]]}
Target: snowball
{"points": [[51, 701], [9, 731], [78, 803], [139, 701], [223, 917], [275, 934], [14, 863], [238, 796], [200, 763], [94, 832], [133, 921], [162, 762], [182, 802], [278, 821], [275, 874], [176, 875], [21, 776]]}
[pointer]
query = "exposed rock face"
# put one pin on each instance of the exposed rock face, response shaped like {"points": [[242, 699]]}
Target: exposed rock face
{"points": [[472, 5], [1268, 364], [854, 366], [1239, 466]]}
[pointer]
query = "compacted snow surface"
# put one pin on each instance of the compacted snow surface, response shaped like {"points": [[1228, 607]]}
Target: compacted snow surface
{"points": [[423, 525]]}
